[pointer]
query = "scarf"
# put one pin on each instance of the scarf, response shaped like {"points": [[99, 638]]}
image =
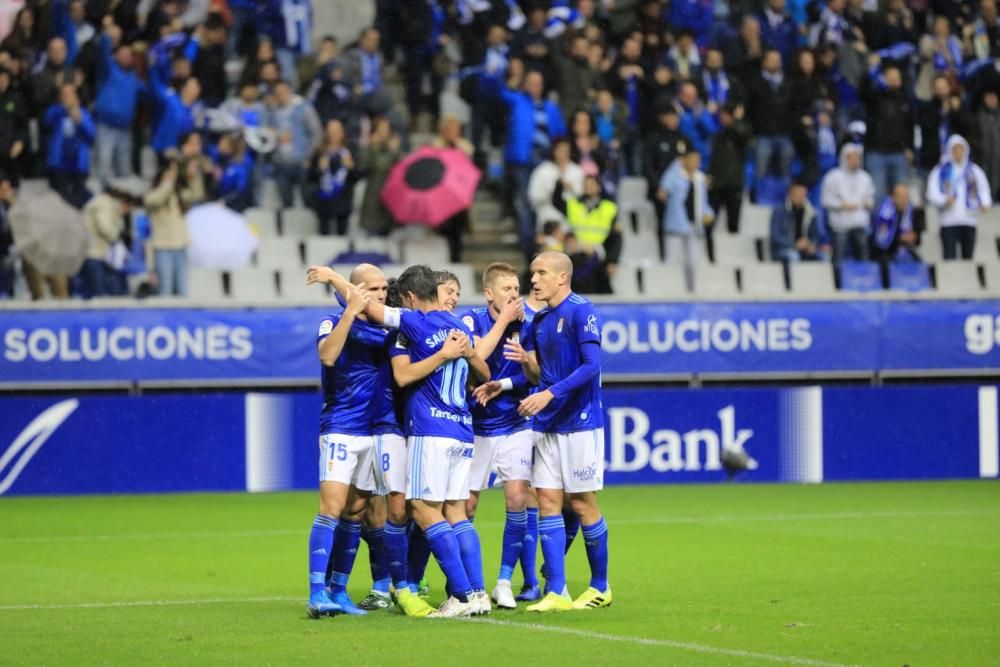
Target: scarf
{"points": [[954, 52], [954, 180], [773, 78], [716, 87], [888, 222]]}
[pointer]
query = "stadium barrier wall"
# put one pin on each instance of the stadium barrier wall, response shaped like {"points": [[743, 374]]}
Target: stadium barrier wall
{"points": [[647, 341], [158, 443]]}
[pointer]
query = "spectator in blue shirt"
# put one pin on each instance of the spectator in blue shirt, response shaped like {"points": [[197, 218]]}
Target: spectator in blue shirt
{"points": [[698, 123], [176, 110], [288, 23], [234, 166], [693, 15], [778, 31], [118, 94], [71, 134]]}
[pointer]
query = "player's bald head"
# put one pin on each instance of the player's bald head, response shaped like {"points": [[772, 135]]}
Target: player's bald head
{"points": [[556, 262], [366, 273]]}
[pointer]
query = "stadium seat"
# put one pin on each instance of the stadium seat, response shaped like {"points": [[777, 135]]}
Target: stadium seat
{"points": [[466, 275], [755, 221], [763, 280], [992, 274], [909, 276], [717, 282], [860, 277], [294, 288], [264, 221], [376, 244], [664, 281], [299, 222], [930, 249], [625, 283], [734, 250], [205, 284], [430, 250], [811, 279], [255, 284], [986, 245], [279, 253], [323, 249], [640, 248], [957, 279], [268, 195], [633, 200]]}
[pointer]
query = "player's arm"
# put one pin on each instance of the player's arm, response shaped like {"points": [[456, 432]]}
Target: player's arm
{"points": [[324, 275], [513, 351], [406, 372], [331, 346], [512, 312], [480, 372], [486, 392], [589, 368]]}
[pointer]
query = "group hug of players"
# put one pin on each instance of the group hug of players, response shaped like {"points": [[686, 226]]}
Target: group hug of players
{"points": [[423, 406]]}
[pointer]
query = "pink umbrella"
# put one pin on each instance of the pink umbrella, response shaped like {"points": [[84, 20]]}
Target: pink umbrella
{"points": [[431, 185]]}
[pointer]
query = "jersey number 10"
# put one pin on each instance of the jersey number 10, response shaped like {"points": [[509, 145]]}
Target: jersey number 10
{"points": [[452, 393]]}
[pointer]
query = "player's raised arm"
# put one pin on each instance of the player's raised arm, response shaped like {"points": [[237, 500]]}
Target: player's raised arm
{"points": [[480, 370], [406, 372], [510, 313], [332, 345], [324, 275], [529, 362]]}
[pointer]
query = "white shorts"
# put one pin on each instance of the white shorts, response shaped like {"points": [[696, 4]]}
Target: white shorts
{"points": [[509, 456], [348, 459], [390, 464], [437, 468], [573, 462]]}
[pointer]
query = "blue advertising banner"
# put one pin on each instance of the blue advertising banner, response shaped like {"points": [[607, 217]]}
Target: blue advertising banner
{"points": [[268, 441], [653, 340]]}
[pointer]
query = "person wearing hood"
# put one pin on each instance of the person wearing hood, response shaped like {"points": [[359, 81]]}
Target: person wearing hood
{"points": [[848, 195], [959, 189], [684, 190], [593, 220]]}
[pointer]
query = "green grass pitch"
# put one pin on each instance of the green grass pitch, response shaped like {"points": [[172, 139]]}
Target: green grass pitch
{"points": [[866, 574]]}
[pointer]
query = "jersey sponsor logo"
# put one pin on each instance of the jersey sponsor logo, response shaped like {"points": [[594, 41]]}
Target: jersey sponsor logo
{"points": [[592, 325], [451, 416], [325, 327], [31, 439]]}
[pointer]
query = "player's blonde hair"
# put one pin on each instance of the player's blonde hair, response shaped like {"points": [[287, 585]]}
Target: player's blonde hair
{"points": [[495, 270]]}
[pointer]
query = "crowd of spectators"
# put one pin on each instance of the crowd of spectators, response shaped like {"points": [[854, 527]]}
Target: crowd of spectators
{"points": [[845, 116]]}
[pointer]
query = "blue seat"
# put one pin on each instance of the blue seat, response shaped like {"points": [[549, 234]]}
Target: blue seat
{"points": [[860, 277], [909, 276]]}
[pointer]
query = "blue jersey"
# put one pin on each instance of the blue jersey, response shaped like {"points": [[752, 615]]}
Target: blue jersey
{"points": [[499, 416], [352, 381], [436, 406], [388, 397], [557, 335]]}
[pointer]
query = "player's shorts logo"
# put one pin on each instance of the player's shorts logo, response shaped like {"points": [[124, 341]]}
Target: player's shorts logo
{"points": [[458, 452], [585, 474]]}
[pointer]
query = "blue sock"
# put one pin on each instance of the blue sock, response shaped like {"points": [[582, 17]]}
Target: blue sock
{"points": [[396, 548], [472, 555], [572, 522], [595, 537], [419, 556], [444, 544], [552, 534], [529, 551], [320, 546], [513, 542], [345, 548], [375, 539]]}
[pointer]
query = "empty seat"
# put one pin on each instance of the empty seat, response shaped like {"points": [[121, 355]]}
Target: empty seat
{"points": [[253, 285], [376, 244], [992, 274], [811, 279], [625, 283], [294, 287], [464, 272], [734, 250], [205, 284], [909, 276], [633, 200], [986, 245], [264, 221], [299, 222], [930, 249], [664, 281], [279, 253], [755, 220], [764, 280], [717, 282], [267, 195], [860, 277], [430, 250], [640, 248], [957, 278], [323, 250]]}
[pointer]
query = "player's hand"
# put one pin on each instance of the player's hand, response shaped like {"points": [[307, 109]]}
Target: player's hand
{"points": [[454, 346], [512, 351], [320, 275], [513, 311], [357, 299], [535, 403], [485, 393]]}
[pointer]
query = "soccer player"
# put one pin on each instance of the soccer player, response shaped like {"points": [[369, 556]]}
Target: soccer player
{"points": [[349, 349], [562, 355], [439, 427], [502, 436]]}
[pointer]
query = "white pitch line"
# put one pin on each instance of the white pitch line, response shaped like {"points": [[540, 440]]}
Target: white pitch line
{"points": [[666, 520], [665, 643], [144, 603]]}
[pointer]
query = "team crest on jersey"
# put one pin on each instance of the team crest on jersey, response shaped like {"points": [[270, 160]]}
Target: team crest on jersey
{"points": [[325, 327], [469, 322], [591, 325], [559, 326], [515, 337]]}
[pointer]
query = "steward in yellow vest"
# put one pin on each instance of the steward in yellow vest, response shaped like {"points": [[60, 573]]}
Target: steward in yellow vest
{"points": [[593, 221]]}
